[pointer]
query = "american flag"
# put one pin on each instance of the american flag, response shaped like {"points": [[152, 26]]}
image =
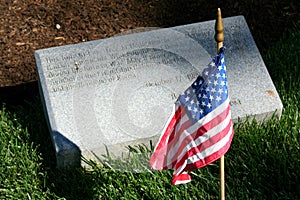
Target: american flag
{"points": [[200, 129]]}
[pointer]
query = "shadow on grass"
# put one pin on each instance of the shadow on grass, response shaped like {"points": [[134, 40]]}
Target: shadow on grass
{"points": [[73, 183]]}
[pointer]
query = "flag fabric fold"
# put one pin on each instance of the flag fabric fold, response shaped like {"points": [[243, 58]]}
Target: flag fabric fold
{"points": [[200, 129]]}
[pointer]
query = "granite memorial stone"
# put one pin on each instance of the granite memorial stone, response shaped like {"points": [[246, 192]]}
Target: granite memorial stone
{"points": [[120, 91]]}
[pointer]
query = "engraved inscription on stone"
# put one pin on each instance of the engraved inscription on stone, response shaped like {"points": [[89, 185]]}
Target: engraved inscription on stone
{"points": [[120, 89]]}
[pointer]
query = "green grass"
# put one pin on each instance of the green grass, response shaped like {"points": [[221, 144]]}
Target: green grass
{"points": [[262, 163], [21, 173]]}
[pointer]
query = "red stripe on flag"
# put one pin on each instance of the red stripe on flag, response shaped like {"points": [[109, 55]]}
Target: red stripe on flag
{"points": [[202, 130], [213, 157], [160, 150], [212, 123], [172, 149], [181, 112], [174, 121], [205, 145], [181, 178]]}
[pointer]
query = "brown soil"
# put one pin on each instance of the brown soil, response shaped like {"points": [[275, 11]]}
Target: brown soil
{"points": [[27, 25]]}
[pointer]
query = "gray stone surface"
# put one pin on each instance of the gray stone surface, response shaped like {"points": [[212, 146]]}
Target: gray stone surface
{"points": [[120, 91]]}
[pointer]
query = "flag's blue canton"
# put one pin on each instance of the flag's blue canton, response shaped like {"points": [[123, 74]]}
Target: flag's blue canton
{"points": [[208, 91]]}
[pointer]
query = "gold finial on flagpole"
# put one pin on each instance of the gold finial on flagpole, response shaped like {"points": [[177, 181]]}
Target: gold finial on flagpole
{"points": [[219, 30], [219, 37]]}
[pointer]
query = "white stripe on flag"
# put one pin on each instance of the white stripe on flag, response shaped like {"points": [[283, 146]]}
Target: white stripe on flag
{"points": [[174, 143], [174, 152], [212, 149], [204, 154]]}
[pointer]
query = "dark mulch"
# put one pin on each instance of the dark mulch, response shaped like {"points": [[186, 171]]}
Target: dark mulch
{"points": [[27, 25]]}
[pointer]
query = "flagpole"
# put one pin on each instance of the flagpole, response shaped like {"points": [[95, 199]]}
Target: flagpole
{"points": [[219, 37]]}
